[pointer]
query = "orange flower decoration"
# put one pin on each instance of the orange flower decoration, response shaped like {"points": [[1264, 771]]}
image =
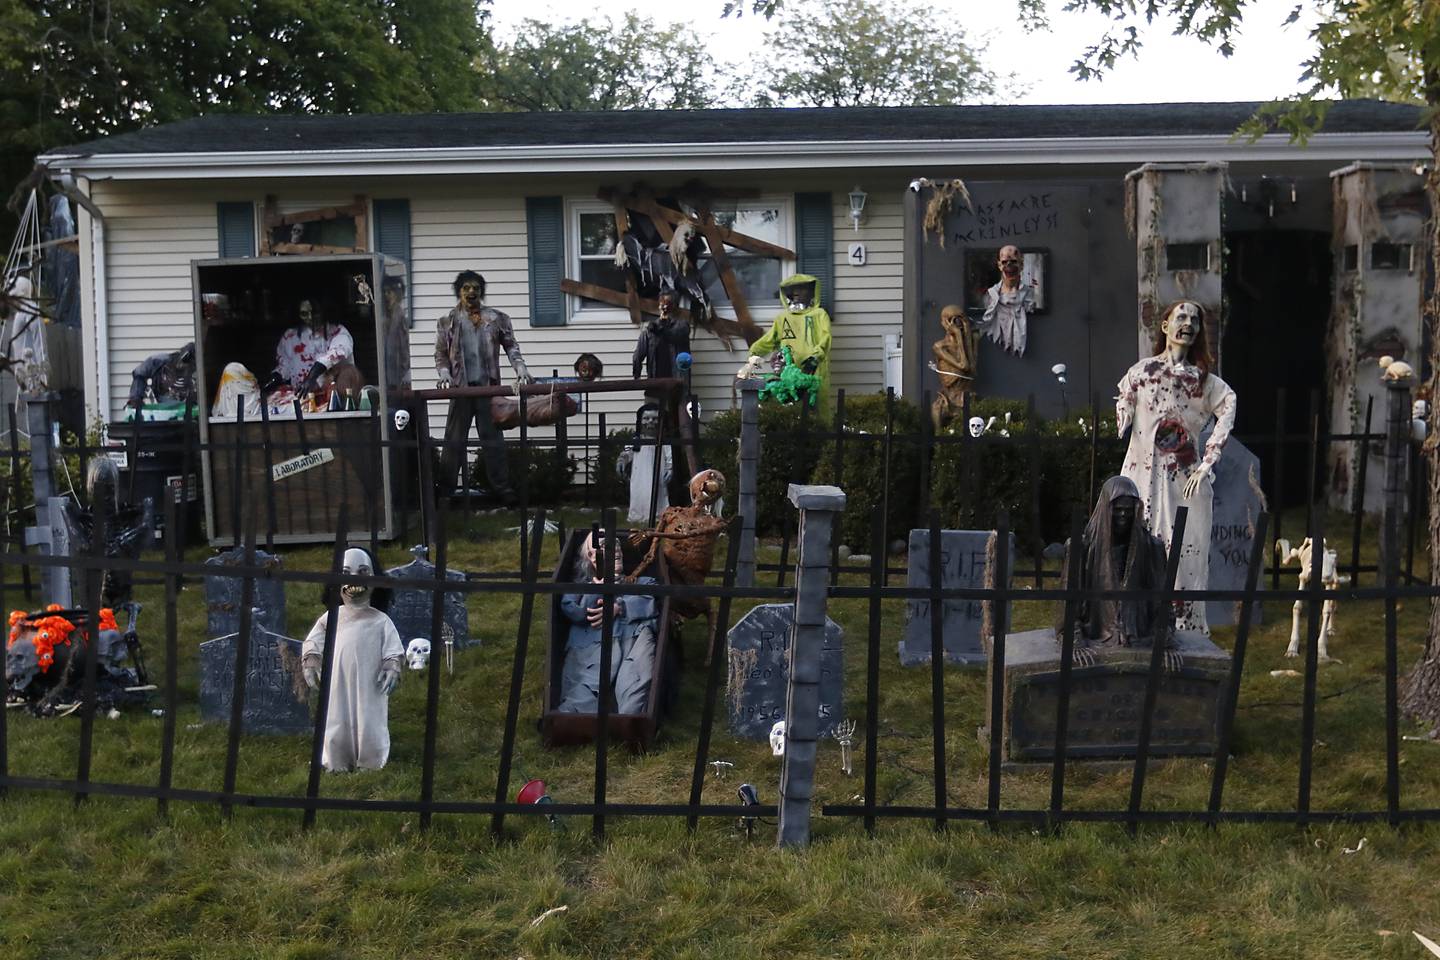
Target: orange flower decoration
{"points": [[50, 632], [16, 616], [107, 620]]}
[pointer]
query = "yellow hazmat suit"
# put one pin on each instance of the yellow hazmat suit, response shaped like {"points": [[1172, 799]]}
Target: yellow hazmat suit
{"points": [[806, 332]]}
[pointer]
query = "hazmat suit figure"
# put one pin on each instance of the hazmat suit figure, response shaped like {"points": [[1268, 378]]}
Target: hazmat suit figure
{"points": [[804, 327]]}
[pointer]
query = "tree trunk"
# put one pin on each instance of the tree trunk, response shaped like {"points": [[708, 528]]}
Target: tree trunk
{"points": [[1420, 689]]}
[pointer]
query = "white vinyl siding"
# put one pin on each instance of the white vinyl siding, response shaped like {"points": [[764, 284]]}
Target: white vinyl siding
{"points": [[154, 230]]}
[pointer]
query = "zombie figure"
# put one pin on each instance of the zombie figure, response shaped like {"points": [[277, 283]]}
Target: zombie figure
{"points": [[1009, 303], [636, 465], [397, 334], [954, 364], [688, 535], [468, 341], [167, 377], [1117, 553], [661, 341], [804, 327], [633, 626], [366, 668], [315, 353], [1166, 401]]}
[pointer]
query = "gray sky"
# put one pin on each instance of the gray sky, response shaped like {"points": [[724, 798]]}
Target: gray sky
{"points": [[1266, 63]]}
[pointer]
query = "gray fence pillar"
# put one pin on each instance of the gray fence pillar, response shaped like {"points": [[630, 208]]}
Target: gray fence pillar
{"points": [[819, 506], [54, 581], [1397, 462], [749, 478]]}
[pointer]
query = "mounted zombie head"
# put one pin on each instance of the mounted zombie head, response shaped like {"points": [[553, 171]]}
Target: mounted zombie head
{"points": [[588, 367]]}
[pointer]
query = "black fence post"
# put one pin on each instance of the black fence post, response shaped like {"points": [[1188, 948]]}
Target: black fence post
{"points": [[872, 671], [1075, 551], [885, 487], [1001, 608], [1277, 489], [242, 670], [1230, 698], [1315, 591], [432, 675], [1152, 677], [517, 669], [718, 663], [327, 664], [94, 582], [1397, 434], [172, 652], [937, 672], [607, 659], [1358, 500], [1037, 538], [837, 470]]}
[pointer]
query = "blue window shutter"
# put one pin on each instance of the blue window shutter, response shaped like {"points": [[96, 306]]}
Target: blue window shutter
{"points": [[237, 228], [815, 251], [392, 229], [545, 220]]}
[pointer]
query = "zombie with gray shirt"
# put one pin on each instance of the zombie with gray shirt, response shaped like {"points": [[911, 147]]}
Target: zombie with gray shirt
{"points": [[468, 341]]}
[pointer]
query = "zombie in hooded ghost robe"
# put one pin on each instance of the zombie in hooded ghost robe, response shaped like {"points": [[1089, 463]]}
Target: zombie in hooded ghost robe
{"points": [[1117, 553], [1166, 401], [368, 655]]}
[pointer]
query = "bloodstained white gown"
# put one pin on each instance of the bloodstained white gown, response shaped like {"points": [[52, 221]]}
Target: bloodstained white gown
{"points": [[357, 725], [1169, 405]]}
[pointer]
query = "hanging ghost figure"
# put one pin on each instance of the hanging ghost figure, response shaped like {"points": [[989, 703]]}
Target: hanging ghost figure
{"points": [[366, 669]]}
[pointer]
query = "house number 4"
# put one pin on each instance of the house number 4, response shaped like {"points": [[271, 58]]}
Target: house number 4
{"points": [[857, 255]]}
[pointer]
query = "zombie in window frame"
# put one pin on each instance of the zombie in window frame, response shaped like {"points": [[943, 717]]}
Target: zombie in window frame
{"points": [[1009, 303], [468, 341], [1166, 402]]}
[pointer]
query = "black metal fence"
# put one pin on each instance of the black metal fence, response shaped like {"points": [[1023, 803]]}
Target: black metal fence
{"points": [[440, 518]]}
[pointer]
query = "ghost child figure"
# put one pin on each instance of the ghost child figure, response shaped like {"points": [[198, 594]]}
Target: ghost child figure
{"points": [[632, 632], [1117, 553], [366, 668], [1009, 303], [804, 327], [1166, 402]]}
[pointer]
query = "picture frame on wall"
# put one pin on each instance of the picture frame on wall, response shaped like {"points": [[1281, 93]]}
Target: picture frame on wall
{"points": [[981, 273]]}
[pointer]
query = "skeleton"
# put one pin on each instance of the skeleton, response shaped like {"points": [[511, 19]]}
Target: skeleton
{"points": [[1395, 369], [777, 738], [1329, 577], [688, 535], [954, 363], [364, 296], [844, 734], [417, 653]]}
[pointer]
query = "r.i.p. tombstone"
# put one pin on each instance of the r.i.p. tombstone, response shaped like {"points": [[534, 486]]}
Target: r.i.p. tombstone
{"points": [[1238, 503], [412, 608], [759, 647], [276, 700], [963, 558], [222, 595]]}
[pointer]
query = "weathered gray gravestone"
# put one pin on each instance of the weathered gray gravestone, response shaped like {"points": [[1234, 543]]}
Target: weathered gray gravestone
{"points": [[222, 596], [962, 559], [1106, 700], [1239, 500], [276, 698], [411, 609], [760, 670]]}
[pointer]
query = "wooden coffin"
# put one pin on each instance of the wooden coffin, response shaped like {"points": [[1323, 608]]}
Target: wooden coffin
{"points": [[638, 730]]}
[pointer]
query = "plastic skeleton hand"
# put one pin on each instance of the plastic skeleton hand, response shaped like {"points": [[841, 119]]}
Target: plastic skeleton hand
{"points": [[444, 382], [311, 667], [1192, 485], [388, 677]]}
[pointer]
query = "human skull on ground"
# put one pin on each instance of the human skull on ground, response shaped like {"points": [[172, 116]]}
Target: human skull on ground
{"points": [[402, 419], [977, 426], [417, 654]]}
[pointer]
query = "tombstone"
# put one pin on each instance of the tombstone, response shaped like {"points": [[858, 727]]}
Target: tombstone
{"points": [[411, 609], [1238, 503], [1106, 700], [760, 671], [222, 596], [963, 560], [276, 698]]}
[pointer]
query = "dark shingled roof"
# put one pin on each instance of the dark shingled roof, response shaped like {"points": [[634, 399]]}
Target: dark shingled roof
{"points": [[227, 133]]}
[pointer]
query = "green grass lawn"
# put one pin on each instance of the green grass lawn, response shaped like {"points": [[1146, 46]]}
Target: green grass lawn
{"points": [[111, 878]]}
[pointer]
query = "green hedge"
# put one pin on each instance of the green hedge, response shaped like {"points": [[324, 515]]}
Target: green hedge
{"points": [[785, 458], [862, 474]]}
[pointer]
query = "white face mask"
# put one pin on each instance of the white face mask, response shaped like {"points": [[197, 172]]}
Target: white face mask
{"points": [[357, 563]]}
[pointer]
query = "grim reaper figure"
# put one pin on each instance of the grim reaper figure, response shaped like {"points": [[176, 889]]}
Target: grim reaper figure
{"points": [[1166, 402], [1117, 553]]}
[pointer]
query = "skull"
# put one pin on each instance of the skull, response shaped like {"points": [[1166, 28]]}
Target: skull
{"points": [[22, 666], [977, 426], [402, 419], [357, 563], [706, 487], [777, 738], [417, 654]]}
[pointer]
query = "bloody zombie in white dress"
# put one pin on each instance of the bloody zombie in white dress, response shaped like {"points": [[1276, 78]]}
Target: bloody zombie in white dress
{"points": [[1166, 404]]}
